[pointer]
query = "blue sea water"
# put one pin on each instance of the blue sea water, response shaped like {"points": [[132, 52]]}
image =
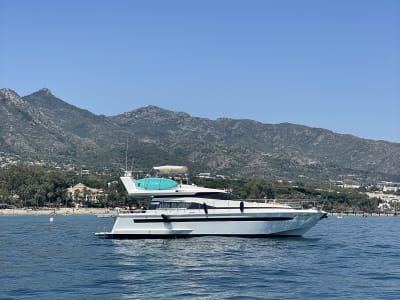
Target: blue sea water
{"points": [[349, 258]]}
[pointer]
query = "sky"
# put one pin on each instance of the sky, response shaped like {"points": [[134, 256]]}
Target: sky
{"points": [[332, 64]]}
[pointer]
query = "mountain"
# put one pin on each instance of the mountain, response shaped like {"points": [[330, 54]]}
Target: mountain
{"points": [[94, 130], [31, 134], [72, 119], [247, 146], [42, 126]]}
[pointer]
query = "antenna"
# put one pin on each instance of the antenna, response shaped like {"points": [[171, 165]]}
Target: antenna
{"points": [[126, 156], [127, 173], [132, 163]]}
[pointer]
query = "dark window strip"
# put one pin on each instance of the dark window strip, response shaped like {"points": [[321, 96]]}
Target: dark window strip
{"points": [[211, 219]]}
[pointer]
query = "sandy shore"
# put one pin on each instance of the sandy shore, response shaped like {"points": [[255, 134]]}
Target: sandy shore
{"points": [[59, 211], [101, 211]]}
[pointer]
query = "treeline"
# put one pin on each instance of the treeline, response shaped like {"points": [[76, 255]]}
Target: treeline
{"points": [[330, 199], [30, 186], [33, 186]]}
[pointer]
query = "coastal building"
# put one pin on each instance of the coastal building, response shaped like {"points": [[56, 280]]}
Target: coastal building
{"points": [[389, 201], [85, 172], [204, 175], [389, 186], [80, 193]]}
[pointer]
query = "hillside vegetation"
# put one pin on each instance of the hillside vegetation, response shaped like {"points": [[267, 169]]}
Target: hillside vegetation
{"points": [[41, 128], [24, 186]]}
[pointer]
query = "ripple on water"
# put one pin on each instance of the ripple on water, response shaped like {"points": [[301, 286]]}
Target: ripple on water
{"points": [[344, 258]]}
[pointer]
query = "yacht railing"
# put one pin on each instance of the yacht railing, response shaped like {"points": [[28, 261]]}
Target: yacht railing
{"points": [[293, 203]]}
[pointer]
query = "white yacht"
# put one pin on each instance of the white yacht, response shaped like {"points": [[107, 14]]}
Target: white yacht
{"points": [[179, 209]]}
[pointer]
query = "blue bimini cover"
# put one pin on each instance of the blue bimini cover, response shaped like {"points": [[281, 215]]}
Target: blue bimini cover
{"points": [[156, 183]]}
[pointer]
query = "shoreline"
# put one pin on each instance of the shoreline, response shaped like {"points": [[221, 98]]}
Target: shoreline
{"points": [[101, 211], [58, 211]]}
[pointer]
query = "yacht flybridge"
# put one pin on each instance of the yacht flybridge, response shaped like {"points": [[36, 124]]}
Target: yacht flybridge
{"points": [[180, 209]]}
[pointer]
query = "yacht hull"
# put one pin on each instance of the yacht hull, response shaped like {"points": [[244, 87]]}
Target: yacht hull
{"points": [[170, 224]]}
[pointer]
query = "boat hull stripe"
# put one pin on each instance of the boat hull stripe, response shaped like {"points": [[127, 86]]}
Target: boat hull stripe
{"points": [[211, 219]]}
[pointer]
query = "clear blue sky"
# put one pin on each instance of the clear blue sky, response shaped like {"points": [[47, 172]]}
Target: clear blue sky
{"points": [[330, 64]]}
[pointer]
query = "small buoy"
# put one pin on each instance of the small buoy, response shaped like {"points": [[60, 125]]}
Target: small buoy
{"points": [[51, 215]]}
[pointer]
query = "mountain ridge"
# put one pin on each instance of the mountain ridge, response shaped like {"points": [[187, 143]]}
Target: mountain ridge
{"points": [[233, 146]]}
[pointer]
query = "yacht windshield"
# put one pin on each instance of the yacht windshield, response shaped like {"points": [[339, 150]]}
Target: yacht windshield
{"points": [[217, 195]]}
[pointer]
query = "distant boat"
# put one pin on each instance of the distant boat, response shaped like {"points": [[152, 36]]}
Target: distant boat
{"points": [[105, 215], [180, 209]]}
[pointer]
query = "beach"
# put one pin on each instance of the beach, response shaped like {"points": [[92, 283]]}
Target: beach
{"points": [[58, 211]]}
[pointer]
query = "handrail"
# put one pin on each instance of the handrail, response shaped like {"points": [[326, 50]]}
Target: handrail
{"points": [[294, 203]]}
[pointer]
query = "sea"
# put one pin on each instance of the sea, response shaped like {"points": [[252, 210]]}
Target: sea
{"points": [[340, 258]]}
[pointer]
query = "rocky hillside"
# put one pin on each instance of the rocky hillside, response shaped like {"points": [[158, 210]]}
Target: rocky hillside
{"points": [[41, 126], [251, 145], [31, 134]]}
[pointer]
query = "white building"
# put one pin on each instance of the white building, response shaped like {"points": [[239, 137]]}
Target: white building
{"points": [[82, 193]]}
